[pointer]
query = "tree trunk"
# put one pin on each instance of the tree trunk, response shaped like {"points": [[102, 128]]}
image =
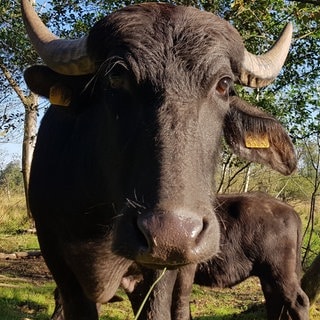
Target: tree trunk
{"points": [[30, 104], [29, 139], [311, 280]]}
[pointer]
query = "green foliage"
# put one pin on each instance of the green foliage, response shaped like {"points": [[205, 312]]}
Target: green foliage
{"points": [[13, 40], [11, 179]]}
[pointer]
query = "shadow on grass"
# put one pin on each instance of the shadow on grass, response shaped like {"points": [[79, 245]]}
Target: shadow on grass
{"points": [[254, 312], [13, 309]]}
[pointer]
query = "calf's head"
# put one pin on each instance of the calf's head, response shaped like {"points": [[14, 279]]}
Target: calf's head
{"points": [[153, 84]]}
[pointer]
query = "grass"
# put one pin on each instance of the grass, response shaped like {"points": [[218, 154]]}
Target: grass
{"points": [[13, 218], [20, 242], [24, 299], [244, 302]]}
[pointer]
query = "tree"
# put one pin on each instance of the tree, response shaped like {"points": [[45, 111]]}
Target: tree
{"points": [[13, 42], [11, 179]]}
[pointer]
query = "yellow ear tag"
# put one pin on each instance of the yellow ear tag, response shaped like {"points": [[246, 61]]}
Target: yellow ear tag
{"points": [[257, 141], [60, 95]]}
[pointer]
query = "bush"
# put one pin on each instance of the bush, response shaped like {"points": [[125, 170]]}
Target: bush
{"points": [[13, 214]]}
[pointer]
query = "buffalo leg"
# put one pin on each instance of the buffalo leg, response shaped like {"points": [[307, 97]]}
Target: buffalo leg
{"points": [[58, 309], [158, 304], [75, 305], [180, 308], [169, 298]]}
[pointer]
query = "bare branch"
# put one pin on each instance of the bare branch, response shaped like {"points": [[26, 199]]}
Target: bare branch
{"points": [[15, 86]]}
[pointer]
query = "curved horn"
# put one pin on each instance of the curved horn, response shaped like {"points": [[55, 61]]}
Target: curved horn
{"points": [[259, 71], [67, 57]]}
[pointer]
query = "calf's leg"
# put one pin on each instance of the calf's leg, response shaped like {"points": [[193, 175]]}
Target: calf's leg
{"points": [[286, 301], [297, 304]]}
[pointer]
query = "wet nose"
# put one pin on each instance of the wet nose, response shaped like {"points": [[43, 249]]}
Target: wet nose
{"points": [[177, 238]]}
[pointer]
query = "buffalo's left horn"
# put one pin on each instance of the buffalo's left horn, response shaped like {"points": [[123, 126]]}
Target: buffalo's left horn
{"points": [[67, 57], [259, 71]]}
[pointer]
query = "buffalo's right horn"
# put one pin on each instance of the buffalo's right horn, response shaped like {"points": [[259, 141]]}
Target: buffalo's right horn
{"points": [[67, 57], [259, 71]]}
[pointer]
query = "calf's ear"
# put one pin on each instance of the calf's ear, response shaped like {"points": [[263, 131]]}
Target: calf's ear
{"points": [[257, 136]]}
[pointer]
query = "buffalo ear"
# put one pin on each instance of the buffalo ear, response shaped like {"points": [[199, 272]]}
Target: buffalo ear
{"points": [[60, 89], [256, 136], [40, 79]]}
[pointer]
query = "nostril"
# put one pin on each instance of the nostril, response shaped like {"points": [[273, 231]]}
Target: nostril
{"points": [[205, 223], [145, 235], [203, 231], [193, 228]]}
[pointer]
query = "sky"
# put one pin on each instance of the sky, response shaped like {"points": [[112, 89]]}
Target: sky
{"points": [[10, 152]]}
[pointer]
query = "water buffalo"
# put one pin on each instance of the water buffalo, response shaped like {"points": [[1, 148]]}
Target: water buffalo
{"points": [[260, 236], [138, 109]]}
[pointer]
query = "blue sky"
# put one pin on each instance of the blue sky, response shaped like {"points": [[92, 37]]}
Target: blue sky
{"points": [[10, 151]]}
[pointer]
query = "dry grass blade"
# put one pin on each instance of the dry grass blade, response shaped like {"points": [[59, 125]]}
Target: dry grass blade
{"points": [[148, 294]]}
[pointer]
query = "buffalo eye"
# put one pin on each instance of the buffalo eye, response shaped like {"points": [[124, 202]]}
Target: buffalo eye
{"points": [[119, 81], [223, 86], [116, 81], [119, 78]]}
